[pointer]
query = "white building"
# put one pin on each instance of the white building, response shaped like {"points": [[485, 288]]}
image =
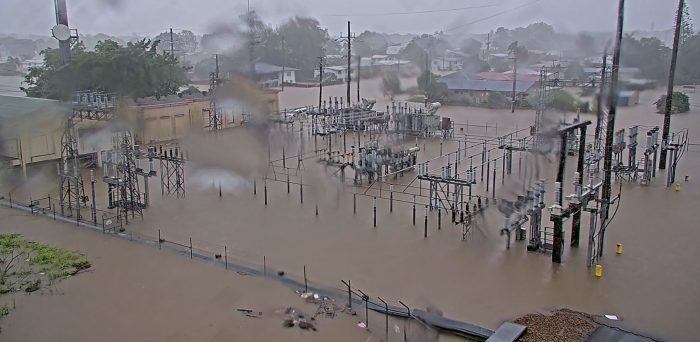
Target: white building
{"points": [[339, 71], [272, 76]]}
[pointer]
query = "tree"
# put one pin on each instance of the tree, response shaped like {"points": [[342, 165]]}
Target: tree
{"points": [[470, 46], [391, 85], [561, 100], [585, 44], [650, 55], [370, 43], [575, 72], [417, 49], [680, 103], [687, 69], [497, 100], [519, 51], [430, 86], [686, 24], [135, 70]]}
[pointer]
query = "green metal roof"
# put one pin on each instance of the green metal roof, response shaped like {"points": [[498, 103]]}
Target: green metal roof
{"points": [[16, 106]]}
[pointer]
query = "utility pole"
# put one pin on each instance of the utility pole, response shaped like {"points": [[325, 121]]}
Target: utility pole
{"points": [[320, 82], [610, 126], [669, 89], [599, 103], [488, 47], [349, 37], [359, 62], [427, 77], [172, 45], [515, 74], [283, 52]]}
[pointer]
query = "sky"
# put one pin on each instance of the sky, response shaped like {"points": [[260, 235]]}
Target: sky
{"points": [[149, 17]]}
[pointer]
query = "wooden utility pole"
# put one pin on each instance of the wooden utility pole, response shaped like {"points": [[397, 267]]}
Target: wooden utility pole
{"points": [[610, 130], [320, 82], [283, 62], [349, 74], [488, 47], [515, 74], [669, 89], [359, 62], [172, 43]]}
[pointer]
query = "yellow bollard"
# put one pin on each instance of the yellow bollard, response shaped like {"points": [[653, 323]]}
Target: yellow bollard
{"points": [[678, 186], [598, 271], [618, 250]]}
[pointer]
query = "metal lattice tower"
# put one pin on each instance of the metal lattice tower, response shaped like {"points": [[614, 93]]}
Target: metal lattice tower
{"points": [[71, 189], [121, 172], [172, 170], [86, 105], [214, 113]]}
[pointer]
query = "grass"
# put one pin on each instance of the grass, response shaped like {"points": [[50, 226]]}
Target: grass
{"points": [[26, 264]]}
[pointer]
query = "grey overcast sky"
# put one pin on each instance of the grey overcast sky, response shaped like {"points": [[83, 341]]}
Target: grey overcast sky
{"points": [[148, 17]]}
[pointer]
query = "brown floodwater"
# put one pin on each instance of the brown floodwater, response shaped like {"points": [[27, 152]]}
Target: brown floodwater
{"points": [[653, 286]]}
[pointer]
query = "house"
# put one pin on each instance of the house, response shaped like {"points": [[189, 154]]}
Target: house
{"points": [[394, 51], [462, 89], [339, 72], [272, 76], [504, 76], [450, 61], [379, 58]]}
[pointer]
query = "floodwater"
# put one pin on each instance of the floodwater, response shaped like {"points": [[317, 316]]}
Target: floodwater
{"points": [[653, 286]]}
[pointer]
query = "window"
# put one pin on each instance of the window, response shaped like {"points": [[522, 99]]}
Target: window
{"points": [[289, 74]]}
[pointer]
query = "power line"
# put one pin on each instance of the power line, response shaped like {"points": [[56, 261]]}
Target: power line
{"points": [[405, 13], [492, 16]]}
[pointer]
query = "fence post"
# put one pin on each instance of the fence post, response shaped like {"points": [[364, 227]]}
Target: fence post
{"points": [[354, 204], [414, 210], [225, 257], [264, 266], [10, 195], [265, 191], [159, 239], [425, 234], [391, 198], [190, 248], [374, 215], [306, 285]]}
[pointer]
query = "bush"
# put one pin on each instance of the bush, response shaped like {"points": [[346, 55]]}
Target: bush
{"points": [[680, 103], [497, 100], [561, 100], [583, 106]]}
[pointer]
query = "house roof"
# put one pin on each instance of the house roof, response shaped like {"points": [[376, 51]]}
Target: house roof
{"points": [[498, 76], [459, 81], [264, 68], [16, 106], [393, 50]]}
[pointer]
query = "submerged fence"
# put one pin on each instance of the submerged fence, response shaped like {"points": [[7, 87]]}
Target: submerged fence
{"points": [[241, 262]]}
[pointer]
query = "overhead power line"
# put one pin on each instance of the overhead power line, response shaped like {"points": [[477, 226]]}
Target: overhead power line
{"points": [[409, 12], [491, 16]]}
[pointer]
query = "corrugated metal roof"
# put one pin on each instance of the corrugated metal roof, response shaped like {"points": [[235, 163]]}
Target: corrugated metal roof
{"points": [[264, 68], [458, 81], [16, 106]]}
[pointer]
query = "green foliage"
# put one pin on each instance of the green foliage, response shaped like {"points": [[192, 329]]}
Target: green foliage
{"points": [[428, 84], [688, 69], [135, 70], [583, 106], [391, 85], [497, 100], [54, 263], [561, 101], [650, 55], [370, 43], [419, 48], [680, 103], [4, 310], [575, 72], [470, 46]]}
